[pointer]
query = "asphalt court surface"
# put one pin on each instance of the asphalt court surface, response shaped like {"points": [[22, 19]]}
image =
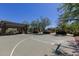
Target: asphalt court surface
{"points": [[29, 44]]}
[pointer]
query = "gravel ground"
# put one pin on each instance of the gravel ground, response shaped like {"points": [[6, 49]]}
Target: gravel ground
{"points": [[32, 45]]}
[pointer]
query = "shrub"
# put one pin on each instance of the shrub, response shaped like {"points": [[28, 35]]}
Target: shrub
{"points": [[61, 32], [46, 32]]}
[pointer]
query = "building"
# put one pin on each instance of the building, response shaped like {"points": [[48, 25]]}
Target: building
{"points": [[21, 28]]}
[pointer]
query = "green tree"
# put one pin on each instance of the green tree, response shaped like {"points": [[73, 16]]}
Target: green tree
{"points": [[74, 27], [40, 23], [45, 22], [70, 12]]}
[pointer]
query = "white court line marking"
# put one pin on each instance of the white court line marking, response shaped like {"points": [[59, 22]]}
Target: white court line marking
{"points": [[24, 40], [16, 46]]}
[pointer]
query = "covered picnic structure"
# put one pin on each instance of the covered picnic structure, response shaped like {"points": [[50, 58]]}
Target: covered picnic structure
{"points": [[4, 25]]}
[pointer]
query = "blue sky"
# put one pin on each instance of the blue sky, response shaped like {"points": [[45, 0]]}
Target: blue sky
{"points": [[29, 11]]}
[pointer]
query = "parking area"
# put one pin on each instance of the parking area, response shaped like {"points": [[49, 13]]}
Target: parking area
{"points": [[31, 44]]}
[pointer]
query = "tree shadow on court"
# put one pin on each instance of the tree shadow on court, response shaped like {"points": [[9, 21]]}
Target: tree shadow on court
{"points": [[75, 47]]}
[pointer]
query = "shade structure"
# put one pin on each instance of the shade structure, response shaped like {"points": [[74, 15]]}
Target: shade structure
{"points": [[7, 24]]}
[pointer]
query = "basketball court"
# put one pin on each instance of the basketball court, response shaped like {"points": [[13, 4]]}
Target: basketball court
{"points": [[30, 45]]}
